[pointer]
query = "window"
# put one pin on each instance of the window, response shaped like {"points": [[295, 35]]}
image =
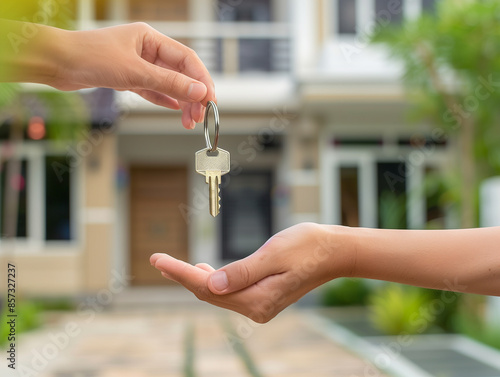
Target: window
{"points": [[389, 10], [246, 218], [42, 179], [349, 198], [242, 53], [346, 16], [16, 185], [391, 194], [158, 10], [57, 198], [255, 55], [245, 11]]}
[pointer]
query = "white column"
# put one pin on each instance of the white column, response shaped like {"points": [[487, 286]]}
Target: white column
{"points": [[36, 197], [119, 10], [415, 201], [490, 216], [304, 37], [86, 14]]}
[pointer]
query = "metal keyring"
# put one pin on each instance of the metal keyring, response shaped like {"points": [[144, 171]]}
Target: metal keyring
{"points": [[212, 105]]}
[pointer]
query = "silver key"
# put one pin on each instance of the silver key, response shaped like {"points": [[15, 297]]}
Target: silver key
{"points": [[213, 165]]}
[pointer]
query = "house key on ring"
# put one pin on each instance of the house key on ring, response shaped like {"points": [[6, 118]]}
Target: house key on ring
{"points": [[212, 162]]}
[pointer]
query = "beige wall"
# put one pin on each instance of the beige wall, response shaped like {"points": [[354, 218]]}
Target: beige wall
{"points": [[41, 274], [303, 153], [98, 214]]}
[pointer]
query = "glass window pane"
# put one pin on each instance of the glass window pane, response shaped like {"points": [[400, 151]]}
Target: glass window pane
{"points": [[245, 11], [255, 55], [349, 198], [246, 217], [435, 190], [158, 10], [17, 184], [346, 16], [389, 11], [57, 198], [391, 184]]}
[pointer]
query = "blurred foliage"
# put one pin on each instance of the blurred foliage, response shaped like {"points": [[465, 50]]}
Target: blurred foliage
{"points": [[440, 191], [65, 114], [8, 92], [396, 309], [452, 72], [470, 320], [28, 318], [58, 13], [29, 314], [444, 305], [345, 292], [55, 303], [400, 309]]}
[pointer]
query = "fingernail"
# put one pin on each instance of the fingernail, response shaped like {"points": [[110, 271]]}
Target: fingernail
{"points": [[154, 258], [219, 280], [196, 91]]}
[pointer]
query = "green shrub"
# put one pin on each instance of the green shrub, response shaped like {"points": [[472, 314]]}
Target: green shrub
{"points": [[469, 321], [345, 292], [397, 309], [55, 303], [28, 318]]}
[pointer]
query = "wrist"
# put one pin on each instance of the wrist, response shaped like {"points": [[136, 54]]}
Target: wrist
{"points": [[53, 52], [340, 243], [40, 60]]}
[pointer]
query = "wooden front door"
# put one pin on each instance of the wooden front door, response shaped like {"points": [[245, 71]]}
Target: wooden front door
{"points": [[156, 223]]}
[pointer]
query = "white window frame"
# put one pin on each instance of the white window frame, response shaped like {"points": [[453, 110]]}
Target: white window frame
{"points": [[365, 15], [34, 153], [366, 159]]}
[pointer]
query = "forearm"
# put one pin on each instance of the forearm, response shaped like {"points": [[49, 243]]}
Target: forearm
{"points": [[465, 260], [31, 52]]}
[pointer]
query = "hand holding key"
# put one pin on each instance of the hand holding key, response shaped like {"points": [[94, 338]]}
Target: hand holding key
{"points": [[212, 162]]}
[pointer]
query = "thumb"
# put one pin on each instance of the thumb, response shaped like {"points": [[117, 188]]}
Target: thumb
{"points": [[241, 274], [173, 84]]}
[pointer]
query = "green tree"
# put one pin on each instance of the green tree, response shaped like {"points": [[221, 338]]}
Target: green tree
{"points": [[451, 63]]}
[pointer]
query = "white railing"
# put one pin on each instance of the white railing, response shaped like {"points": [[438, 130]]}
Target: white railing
{"points": [[219, 44]]}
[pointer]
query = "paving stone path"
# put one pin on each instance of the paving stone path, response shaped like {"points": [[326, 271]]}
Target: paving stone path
{"points": [[194, 341]]}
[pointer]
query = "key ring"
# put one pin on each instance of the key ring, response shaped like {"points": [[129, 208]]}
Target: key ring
{"points": [[212, 105]]}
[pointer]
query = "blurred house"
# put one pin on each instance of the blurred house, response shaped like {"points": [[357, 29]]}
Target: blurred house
{"points": [[314, 118]]}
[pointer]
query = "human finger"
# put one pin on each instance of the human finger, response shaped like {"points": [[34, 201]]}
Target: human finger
{"points": [[158, 98], [185, 60], [243, 273], [205, 267], [186, 119]]}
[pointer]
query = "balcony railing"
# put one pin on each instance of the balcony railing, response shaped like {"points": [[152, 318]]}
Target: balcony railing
{"points": [[232, 48]]}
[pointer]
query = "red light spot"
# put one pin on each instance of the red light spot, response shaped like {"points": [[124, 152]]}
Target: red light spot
{"points": [[18, 182], [36, 128]]}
